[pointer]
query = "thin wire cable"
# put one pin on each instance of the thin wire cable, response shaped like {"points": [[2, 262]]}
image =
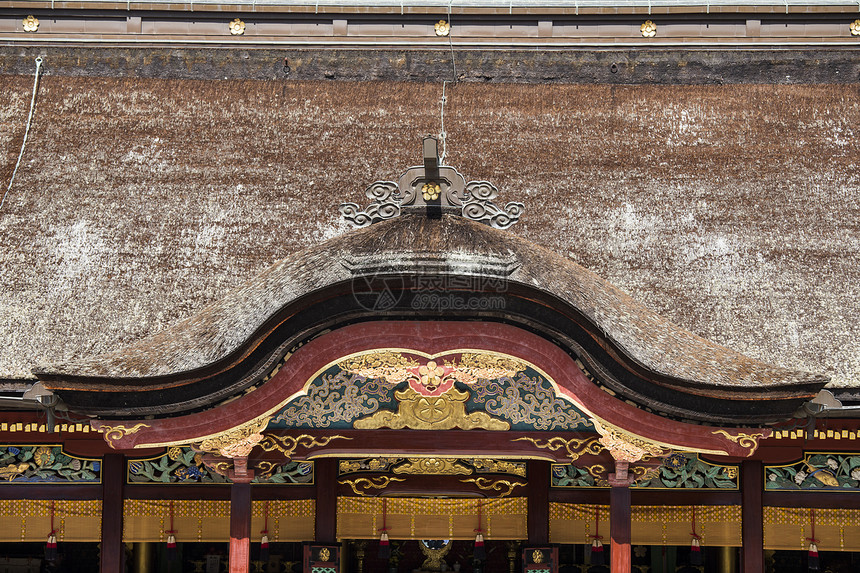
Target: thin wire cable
{"points": [[444, 135], [26, 130]]}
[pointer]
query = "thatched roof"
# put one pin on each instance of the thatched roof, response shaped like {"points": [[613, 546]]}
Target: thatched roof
{"points": [[729, 210]]}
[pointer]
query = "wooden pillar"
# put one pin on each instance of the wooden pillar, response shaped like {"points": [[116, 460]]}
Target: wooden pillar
{"points": [[325, 475], [240, 526], [113, 478], [538, 502], [619, 528], [752, 526]]}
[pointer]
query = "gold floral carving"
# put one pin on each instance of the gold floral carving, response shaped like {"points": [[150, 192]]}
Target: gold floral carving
{"points": [[366, 484], [499, 466], [575, 447], [488, 366], [325, 554], [366, 465], [748, 441], [432, 466], [237, 442], [487, 484], [627, 447], [112, 433], [287, 445], [392, 366], [444, 412]]}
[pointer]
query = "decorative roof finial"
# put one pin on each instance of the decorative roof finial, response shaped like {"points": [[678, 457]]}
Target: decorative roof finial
{"points": [[433, 190]]}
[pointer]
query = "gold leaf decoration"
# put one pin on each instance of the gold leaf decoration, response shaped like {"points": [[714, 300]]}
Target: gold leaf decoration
{"points": [[442, 29], [432, 466], [749, 441], [236, 442], [237, 27], [112, 433], [361, 485], [575, 447], [648, 29], [287, 445], [487, 484], [30, 23]]}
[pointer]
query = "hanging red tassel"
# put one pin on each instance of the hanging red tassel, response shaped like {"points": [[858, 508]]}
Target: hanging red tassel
{"points": [[597, 555], [264, 542], [384, 547], [172, 553], [480, 552], [51, 548], [812, 558], [51, 545], [695, 544]]}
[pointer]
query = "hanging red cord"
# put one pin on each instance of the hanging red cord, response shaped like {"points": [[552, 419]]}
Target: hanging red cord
{"points": [[264, 542], [597, 556], [813, 561], [695, 543], [480, 552], [171, 538], [384, 547], [51, 546]]}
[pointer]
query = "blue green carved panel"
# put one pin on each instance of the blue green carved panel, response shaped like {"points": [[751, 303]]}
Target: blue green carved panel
{"points": [[182, 465], [46, 464], [337, 398], [816, 471], [680, 470]]}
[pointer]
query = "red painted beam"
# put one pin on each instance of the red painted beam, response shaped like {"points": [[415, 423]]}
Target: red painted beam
{"points": [[432, 338], [752, 524], [113, 479], [240, 528], [538, 502], [619, 529]]}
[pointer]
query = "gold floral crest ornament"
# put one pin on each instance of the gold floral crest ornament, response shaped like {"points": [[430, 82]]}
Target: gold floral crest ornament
{"points": [[855, 28], [430, 191], [443, 28], [31, 23], [648, 29], [237, 27]]}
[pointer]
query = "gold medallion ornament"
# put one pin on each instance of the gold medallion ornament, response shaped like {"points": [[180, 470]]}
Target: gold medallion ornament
{"points": [[418, 412], [648, 29], [855, 28], [325, 554], [30, 23], [430, 191], [537, 556], [237, 27], [442, 28]]}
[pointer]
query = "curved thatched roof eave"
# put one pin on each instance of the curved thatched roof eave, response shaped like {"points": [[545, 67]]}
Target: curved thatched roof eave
{"points": [[413, 244]]}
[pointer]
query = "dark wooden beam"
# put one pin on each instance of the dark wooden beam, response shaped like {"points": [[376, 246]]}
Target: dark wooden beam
{"points": [[325, 474], [752, 527], [619, 529], [240, 527], [113, 479], [538, 502]]}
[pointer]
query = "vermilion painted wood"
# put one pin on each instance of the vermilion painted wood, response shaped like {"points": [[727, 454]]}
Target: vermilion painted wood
{"points": [[538, 502], [434, 338], [325, 474], [240, 528], [113, 478], [752, 524], [619, 529]]}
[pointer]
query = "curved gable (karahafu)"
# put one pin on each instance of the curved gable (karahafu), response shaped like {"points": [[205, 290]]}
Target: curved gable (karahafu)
{"points": [[429, 257]]}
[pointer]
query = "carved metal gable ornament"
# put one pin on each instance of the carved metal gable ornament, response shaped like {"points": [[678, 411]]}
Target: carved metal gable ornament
{"points": [[433, 189]]}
